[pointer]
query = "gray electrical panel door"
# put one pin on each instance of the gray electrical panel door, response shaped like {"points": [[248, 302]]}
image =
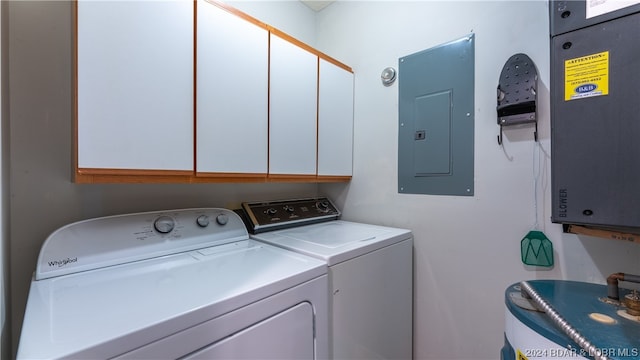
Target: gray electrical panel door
{"points": [[436, 126], [595, 121]]}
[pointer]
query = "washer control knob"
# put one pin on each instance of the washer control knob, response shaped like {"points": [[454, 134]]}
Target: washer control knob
{"points": [[289, 208], [323, 205], [222, 219], [164, 224], [270, 211], [202, 221]]}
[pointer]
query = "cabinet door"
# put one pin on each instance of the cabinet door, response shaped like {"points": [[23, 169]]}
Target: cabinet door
{"points": [[293, 108], [335, 120], [232, 93], [135, 85]]}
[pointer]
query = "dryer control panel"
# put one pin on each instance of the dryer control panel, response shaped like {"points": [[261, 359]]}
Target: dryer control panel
{"points": [[120, 239], [273, 215]]}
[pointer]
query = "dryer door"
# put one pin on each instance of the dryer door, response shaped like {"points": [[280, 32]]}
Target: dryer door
{"points": [[263, 330], [287, 335]]}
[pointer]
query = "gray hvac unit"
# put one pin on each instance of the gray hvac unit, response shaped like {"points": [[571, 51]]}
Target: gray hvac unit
{"points": [[595, 114]]}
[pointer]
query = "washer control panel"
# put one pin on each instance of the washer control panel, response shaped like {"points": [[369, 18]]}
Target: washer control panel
{"points": [[273, 215]]}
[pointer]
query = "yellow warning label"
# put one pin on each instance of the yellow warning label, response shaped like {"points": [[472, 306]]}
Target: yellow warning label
{"points": [[520, 355], [586, 76]]}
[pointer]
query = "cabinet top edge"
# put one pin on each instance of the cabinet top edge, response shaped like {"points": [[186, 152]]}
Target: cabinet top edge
{"points": [[275, 31]]}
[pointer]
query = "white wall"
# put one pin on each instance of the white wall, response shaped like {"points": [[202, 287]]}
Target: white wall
{"points": [[467, 249]]}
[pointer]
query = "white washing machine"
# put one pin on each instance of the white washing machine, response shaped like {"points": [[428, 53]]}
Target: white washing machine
{"points": [[370, 273], [183, 284]]}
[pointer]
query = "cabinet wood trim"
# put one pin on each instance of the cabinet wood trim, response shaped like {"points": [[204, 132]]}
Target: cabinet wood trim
{"points": [[310, 49], [291, 178], [228, 178], [195, 85], [317, 113], [95, 176], [332, 178], [238, 13], [279, 33], [165, 177], [135, 172], [74, 155]]}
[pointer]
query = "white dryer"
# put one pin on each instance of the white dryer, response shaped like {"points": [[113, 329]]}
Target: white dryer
{"points": [[370, 273], [173, 284]]}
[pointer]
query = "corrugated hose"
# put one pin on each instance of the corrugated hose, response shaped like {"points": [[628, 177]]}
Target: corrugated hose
{"points": [[562, 323]]}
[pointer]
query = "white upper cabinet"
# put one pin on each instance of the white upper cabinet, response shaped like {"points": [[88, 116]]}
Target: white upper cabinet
{"points": [[232, 93], [335, 120], [244, 102], [293, 107], [135, 85]]}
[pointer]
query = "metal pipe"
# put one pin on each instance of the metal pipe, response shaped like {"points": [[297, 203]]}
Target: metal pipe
{"points": [[563, 324], [612, 283]]}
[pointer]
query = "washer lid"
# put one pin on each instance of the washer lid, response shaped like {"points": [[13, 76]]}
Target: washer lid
{"points": [[334, 234], [106, 312], [335, 241]]}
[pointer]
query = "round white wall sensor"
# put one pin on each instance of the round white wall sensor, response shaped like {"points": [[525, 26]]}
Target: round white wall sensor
{"points": [[388, 76]]}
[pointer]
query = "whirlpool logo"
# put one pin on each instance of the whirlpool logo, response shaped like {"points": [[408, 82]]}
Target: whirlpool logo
{"points": [[586, 88], [63, 262]]}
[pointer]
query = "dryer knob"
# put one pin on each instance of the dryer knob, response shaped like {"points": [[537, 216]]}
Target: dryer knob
{"points": [[164, 224], [222, 219], [202, 221]]}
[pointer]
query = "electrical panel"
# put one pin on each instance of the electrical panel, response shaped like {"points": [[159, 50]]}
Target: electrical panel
{"points": [[436, 120], [595, 114]]}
